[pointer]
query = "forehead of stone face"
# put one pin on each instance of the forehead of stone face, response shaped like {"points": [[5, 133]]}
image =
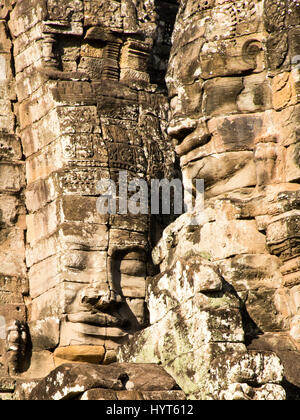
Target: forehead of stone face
{"points": [[212, 38]]}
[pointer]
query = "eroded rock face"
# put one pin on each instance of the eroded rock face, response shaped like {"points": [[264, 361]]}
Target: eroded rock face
{"points": [[87, 109], [83, 97], [117, 381], [13, 276], [197, 334]]}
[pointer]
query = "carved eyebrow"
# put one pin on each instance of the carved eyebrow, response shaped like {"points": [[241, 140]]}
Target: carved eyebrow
{"points": [[129, 249]]}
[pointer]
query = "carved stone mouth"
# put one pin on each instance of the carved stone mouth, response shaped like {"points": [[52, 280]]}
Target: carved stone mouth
{"points": [[98, 319], [190, 135]]}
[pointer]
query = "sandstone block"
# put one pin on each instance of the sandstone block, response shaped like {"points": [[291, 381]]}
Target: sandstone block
{"points": [[276, 317], [257, 94], [9, 210], [221, 96], [75, 334], [24, 388], [215, 168], [41, 165], [63, 121], [292, 169], [287, 124], [231, 238], [50, 219], [257, 368], [12, 252], [14, 284], [235, 132], [55, 302], [25, 15], [87, 354], [32, 55], [295, 329], [10, 147], [254, 271], [133, 286], [12, 312], [285, 91]]}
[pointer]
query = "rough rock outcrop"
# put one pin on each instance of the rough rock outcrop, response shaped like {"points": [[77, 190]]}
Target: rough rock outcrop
{"points": [[114, 382]]}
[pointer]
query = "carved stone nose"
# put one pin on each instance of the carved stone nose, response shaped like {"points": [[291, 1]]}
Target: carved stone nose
{"points": [[101, 299]]}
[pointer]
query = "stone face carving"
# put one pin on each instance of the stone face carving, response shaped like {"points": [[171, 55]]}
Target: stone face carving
{"points": [[196, 320]]}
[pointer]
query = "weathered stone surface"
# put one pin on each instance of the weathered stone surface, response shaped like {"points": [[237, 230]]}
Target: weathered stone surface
{"points": [[88, 354], [286, 350], [24, 388], [147, 378], [7, 384], [245, 149], [83, 97], [41, 364], [44, 333], [189, 325], [99, 395], [68, 381], [78, 124], [163, 395]]}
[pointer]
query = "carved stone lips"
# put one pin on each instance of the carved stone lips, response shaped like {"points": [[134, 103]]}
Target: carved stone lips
{"points": [[98, 319]]}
